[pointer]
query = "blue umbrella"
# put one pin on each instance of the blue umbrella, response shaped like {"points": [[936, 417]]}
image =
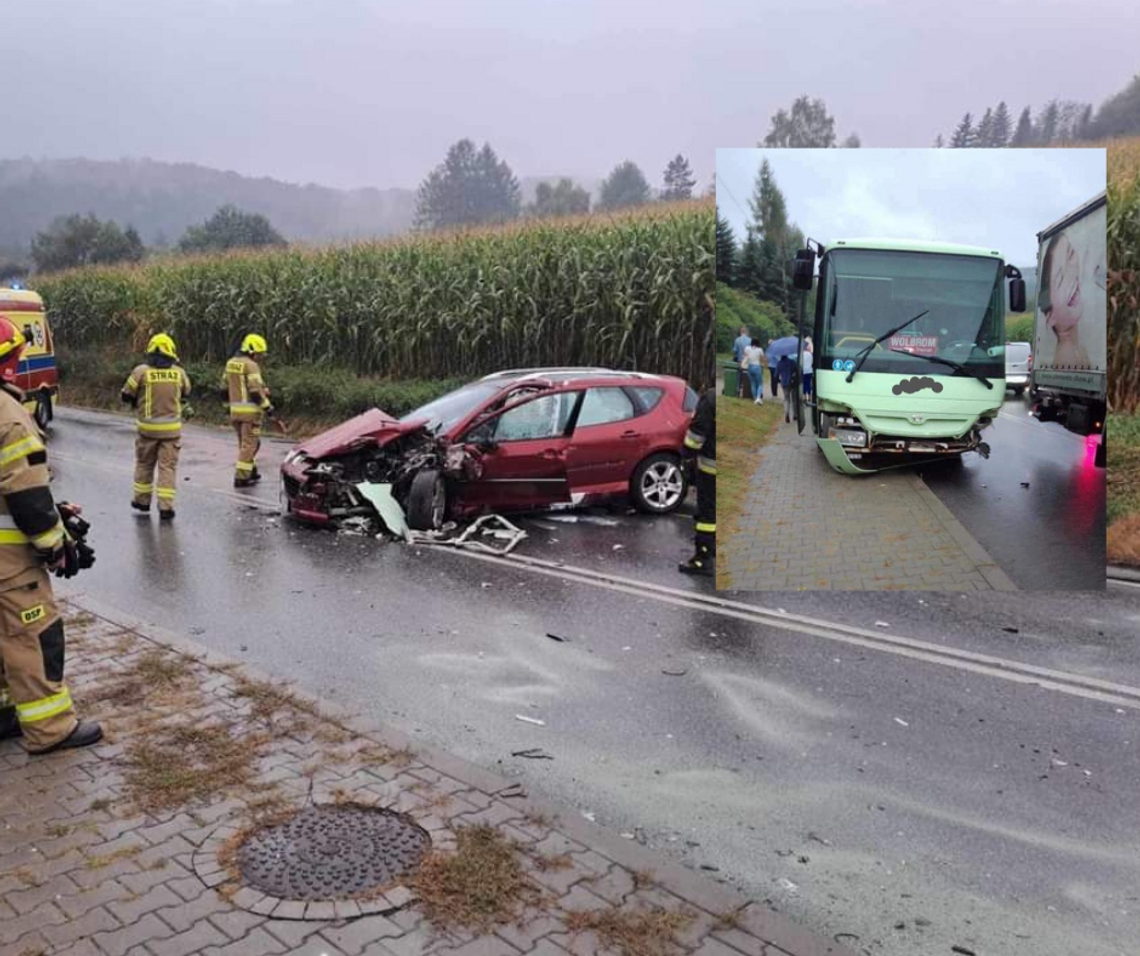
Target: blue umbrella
{"points": [[788, 345]]}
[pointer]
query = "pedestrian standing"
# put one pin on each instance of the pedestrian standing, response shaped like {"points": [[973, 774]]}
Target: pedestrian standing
{"points": [[249, 404], [34, 700], [772, 372], [753, 357], [786, 373], [808, 368], [157, 390], [741, 342]]}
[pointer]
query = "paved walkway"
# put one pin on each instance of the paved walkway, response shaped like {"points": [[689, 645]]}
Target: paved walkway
{"points": [[126, 849], [807, 527]]}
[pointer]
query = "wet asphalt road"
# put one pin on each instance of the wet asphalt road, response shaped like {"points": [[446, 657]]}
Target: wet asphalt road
{"points": [[1049, 534], [915, 805]]}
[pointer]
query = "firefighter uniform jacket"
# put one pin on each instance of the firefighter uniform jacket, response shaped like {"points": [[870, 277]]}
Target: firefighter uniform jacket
{"points": [[248, 394], [701, 436], [157, 389], [29, 522]]}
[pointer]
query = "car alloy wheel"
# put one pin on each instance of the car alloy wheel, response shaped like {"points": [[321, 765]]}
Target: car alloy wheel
{"points": [[662, 485]]}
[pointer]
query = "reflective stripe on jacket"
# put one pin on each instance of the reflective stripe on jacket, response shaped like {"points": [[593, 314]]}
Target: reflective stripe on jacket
{"points": [[29, 521], [158, 393], [248, 394], [701, 436]]}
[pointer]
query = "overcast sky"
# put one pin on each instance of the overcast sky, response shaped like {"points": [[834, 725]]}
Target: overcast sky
{"points": [[1000, 198], [371, 92]]}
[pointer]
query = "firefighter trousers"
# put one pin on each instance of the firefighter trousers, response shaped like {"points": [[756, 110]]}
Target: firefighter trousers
{"points": [[160, 454], [249, 443], [705, 521], [31, 659]]}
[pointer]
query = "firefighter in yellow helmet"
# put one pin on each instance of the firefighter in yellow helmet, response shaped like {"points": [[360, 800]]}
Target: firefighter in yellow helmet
{"points": [[249, 404], [158, 389], [700, 441], [34, 538]]}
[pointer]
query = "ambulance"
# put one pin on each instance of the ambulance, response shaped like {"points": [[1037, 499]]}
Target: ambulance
{"points": [[37, 374]]}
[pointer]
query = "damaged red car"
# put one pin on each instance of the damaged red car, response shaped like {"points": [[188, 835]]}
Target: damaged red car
{"points": [[518, 440]]}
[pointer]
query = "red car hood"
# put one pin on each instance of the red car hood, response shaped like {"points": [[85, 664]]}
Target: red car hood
{"points": [[373, 427]]}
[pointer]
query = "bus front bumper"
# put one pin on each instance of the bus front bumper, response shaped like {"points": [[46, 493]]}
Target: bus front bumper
{"points": [[886, 452]]}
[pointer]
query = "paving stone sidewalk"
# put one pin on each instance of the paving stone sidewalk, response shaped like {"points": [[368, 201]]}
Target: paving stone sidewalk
{"points": [[807, 527], [102, 853]]}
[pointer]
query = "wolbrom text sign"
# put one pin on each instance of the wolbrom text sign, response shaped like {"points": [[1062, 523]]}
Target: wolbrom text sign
{"points": [[916, 344]]}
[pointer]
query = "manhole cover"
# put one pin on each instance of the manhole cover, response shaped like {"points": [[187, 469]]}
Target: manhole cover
{"points": [[332, 852]]}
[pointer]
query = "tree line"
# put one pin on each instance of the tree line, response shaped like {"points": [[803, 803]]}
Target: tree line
{"points": [[471, 187], [1057, 123]]}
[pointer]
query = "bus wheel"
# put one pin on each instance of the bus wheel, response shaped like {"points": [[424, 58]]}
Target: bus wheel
{"points": [[43, 415]]}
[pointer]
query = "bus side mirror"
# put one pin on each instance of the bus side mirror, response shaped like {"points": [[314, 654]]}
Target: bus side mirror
{"points": [[1017, 295], [804, 270]]}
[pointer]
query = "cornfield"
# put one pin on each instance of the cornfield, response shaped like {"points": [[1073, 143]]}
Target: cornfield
{"points": [[1124, 274], [631, 291]]}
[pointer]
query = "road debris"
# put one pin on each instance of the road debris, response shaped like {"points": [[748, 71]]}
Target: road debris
{"points": [[507, 531], [680, 673], [379, 495], [557, 637], [1011, 630], [532, 753], [787, 885], [818, 839], [901, 722], [530, 720], [881, 624], [963, 950]]}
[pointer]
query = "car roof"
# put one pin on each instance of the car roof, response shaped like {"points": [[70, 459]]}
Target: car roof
{"points": [[566, 374]]}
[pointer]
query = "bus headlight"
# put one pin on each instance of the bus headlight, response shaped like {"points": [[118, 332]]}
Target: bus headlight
{"points": [[849, 436]]}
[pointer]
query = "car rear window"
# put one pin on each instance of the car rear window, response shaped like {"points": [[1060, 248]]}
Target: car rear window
{"points": [[1016, 351], [648, 396]]}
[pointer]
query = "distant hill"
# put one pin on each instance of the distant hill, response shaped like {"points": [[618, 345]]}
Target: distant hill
{"points": [[161, 199]]}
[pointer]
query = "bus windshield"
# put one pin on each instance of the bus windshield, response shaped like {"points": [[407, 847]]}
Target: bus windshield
{"points": [[867, 292]]}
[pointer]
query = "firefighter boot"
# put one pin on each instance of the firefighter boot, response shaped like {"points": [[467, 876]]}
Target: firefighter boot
{"points": [[703, 563], [9, 725], [86, 733]]}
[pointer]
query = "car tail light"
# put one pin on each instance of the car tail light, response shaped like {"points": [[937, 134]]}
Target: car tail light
{"points": [[1029, 362]]}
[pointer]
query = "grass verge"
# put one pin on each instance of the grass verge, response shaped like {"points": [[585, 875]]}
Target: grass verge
{"points": [[1123, 434], [742, 428], [310, 398]]}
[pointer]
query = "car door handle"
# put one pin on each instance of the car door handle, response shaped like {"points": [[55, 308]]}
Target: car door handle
{"points": [[631, 434], [552, 453]]}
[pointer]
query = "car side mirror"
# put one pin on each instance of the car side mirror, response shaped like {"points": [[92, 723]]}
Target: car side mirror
{"points": [[1016, 295], [804, 270]]}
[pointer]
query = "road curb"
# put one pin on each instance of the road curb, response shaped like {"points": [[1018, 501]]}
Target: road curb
{"points": [[987, 567], [716, 899]]}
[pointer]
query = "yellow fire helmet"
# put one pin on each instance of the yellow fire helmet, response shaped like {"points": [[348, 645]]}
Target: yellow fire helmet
{"points": [[254, 343], [163, 344]]}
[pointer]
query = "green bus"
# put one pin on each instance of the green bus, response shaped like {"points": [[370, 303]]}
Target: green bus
{"points": [[909, 349]]}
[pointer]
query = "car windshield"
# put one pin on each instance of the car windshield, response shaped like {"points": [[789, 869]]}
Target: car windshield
{"points": [[449, 409], [868, 292]]}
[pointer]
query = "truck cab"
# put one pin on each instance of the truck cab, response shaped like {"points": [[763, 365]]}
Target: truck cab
{"points": [[909, 340], [37, 374]]}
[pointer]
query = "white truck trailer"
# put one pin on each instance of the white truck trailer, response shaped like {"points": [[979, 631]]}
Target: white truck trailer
{"points": [[1069, 376]]}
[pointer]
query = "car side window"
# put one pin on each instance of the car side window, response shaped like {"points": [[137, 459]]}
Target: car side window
{"points": [[604, 405], [544, 417]]}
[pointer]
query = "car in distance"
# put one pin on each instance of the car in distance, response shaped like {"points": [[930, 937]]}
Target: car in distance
{"points": [[1018, 364], [516, 440]]}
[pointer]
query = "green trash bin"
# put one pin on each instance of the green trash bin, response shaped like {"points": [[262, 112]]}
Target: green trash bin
{"points": [[731, 379], [733, 384]]}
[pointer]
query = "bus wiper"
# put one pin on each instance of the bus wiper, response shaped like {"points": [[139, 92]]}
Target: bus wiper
{"points": [[955, 365], [862, 356]]}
